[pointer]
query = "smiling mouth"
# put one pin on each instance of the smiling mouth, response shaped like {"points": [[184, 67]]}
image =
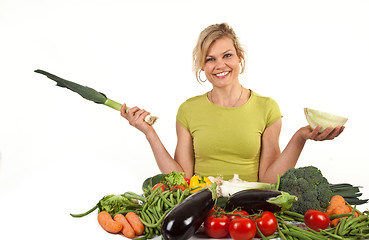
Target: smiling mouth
{"points": [[222, 74]]}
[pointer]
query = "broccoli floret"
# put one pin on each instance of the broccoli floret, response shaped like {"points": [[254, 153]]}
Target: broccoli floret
{"points": [[309, 185]]}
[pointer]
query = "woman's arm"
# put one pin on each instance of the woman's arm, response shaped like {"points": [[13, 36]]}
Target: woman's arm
{"points": [[183, 159], [273, 162]]}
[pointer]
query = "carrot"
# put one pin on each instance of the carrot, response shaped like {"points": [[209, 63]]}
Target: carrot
{"points": [[107, 223], [135, 222], [127, 231], [336, 201]]}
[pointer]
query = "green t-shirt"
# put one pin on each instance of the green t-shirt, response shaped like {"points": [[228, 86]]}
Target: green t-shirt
{"points": [[227, 140]]}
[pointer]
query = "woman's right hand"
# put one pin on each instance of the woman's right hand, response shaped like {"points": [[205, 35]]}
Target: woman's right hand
{"points": [[136, 118]]}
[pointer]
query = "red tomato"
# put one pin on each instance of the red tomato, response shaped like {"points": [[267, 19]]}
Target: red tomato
{"points": [[316, 220], [243, 213], [242, 229], [178, 187], [160, 185], [216, 227], [267, 224]]}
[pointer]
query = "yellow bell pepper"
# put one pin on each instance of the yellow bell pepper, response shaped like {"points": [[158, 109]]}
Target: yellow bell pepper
{"points": [[199, 182]]}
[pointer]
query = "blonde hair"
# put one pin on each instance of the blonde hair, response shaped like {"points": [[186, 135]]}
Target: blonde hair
{"points": [[206, 38]]}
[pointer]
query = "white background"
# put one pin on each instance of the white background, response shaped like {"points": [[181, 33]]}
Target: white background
{"points": [[60, 153]]}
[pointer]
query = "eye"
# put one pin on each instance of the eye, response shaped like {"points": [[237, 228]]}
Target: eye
{"points": [[228, 55], [209, 60]]}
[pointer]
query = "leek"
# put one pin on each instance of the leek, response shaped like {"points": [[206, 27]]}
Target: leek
{"points": [[90, 94]]}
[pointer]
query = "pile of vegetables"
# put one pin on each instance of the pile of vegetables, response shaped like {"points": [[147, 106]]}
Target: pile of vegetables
{"points": [[301, 205]]}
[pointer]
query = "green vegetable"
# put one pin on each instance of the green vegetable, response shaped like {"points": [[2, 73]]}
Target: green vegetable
{"points": [[174, 179], [323, 119], [89, 94], [151, 181], [349, 192], [114, 204], [348, 228], [157, 206], [309, 185]]}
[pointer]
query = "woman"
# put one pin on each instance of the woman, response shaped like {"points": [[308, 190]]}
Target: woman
{"points": [[230, 129]]}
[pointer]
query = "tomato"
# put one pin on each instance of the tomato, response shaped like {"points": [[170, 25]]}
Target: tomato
{"points": [[160, 185], [316, 220], [242, 229], [267, 224], [216, 227], [243, 213], [175, 188]]}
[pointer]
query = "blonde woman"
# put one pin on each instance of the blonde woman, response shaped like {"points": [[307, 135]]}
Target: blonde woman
{"points": [[230, 129]]}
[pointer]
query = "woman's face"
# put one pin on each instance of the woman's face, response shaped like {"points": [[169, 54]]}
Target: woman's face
{"points": [[222, 65]]}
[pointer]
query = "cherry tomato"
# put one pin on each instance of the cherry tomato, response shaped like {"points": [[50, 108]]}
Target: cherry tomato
{"points": [[216, 227], [160, 185], [242, 229], [316, 220], [267, 224], [175, 188], [243, 213]]}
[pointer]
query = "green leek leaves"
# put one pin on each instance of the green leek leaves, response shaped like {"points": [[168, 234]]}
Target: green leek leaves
{"points": [[89, 93]]}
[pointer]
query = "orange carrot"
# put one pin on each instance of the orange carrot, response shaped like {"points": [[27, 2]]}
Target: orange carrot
{"points": [[127, 231], [336, 201], [339, 210], [135, 222], [107, 223]]}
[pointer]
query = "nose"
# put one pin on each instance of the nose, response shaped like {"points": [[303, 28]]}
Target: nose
{"points": [[220, 64]]}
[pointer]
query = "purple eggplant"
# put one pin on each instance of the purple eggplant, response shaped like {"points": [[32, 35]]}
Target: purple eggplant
{"points": [[254, 200], [184, 220]]}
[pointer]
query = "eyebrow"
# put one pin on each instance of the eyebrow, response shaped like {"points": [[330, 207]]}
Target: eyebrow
{"points": [[230, 50]]}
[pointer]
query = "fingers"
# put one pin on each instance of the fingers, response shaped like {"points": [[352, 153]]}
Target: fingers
{"points": [[328, 134], [134, 115]]}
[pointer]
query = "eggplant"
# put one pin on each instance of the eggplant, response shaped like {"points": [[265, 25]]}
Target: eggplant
{"points": [[254, 200], [184, 220]]}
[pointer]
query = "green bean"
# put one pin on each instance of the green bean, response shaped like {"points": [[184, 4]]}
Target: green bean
{"points": [[333, 235], [184, 193], [308, 233], [178, 194], [339, 215], [340, 226], [296, 234], [166, 201], [172, 199], [85, 213], [293, 214], [150, 198], [154, 201], [153, 213], [354, 220], [284, 226], [132, 195], [281, 235], [154, 225]]}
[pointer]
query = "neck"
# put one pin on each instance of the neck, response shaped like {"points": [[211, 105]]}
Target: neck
{"points": [[226, 97]]}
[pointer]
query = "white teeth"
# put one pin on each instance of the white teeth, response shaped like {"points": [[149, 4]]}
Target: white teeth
{"points": [[221, 74]]}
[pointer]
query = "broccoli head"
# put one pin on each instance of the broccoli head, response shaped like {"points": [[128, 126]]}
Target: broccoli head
{"points": [[309, 185]]}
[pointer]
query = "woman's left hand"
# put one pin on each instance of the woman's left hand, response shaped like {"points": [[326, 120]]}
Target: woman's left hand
{"points": [[313, 134]]}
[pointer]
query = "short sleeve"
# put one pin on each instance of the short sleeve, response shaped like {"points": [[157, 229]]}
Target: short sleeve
{"points": [[182, 115], [274, 113]]}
